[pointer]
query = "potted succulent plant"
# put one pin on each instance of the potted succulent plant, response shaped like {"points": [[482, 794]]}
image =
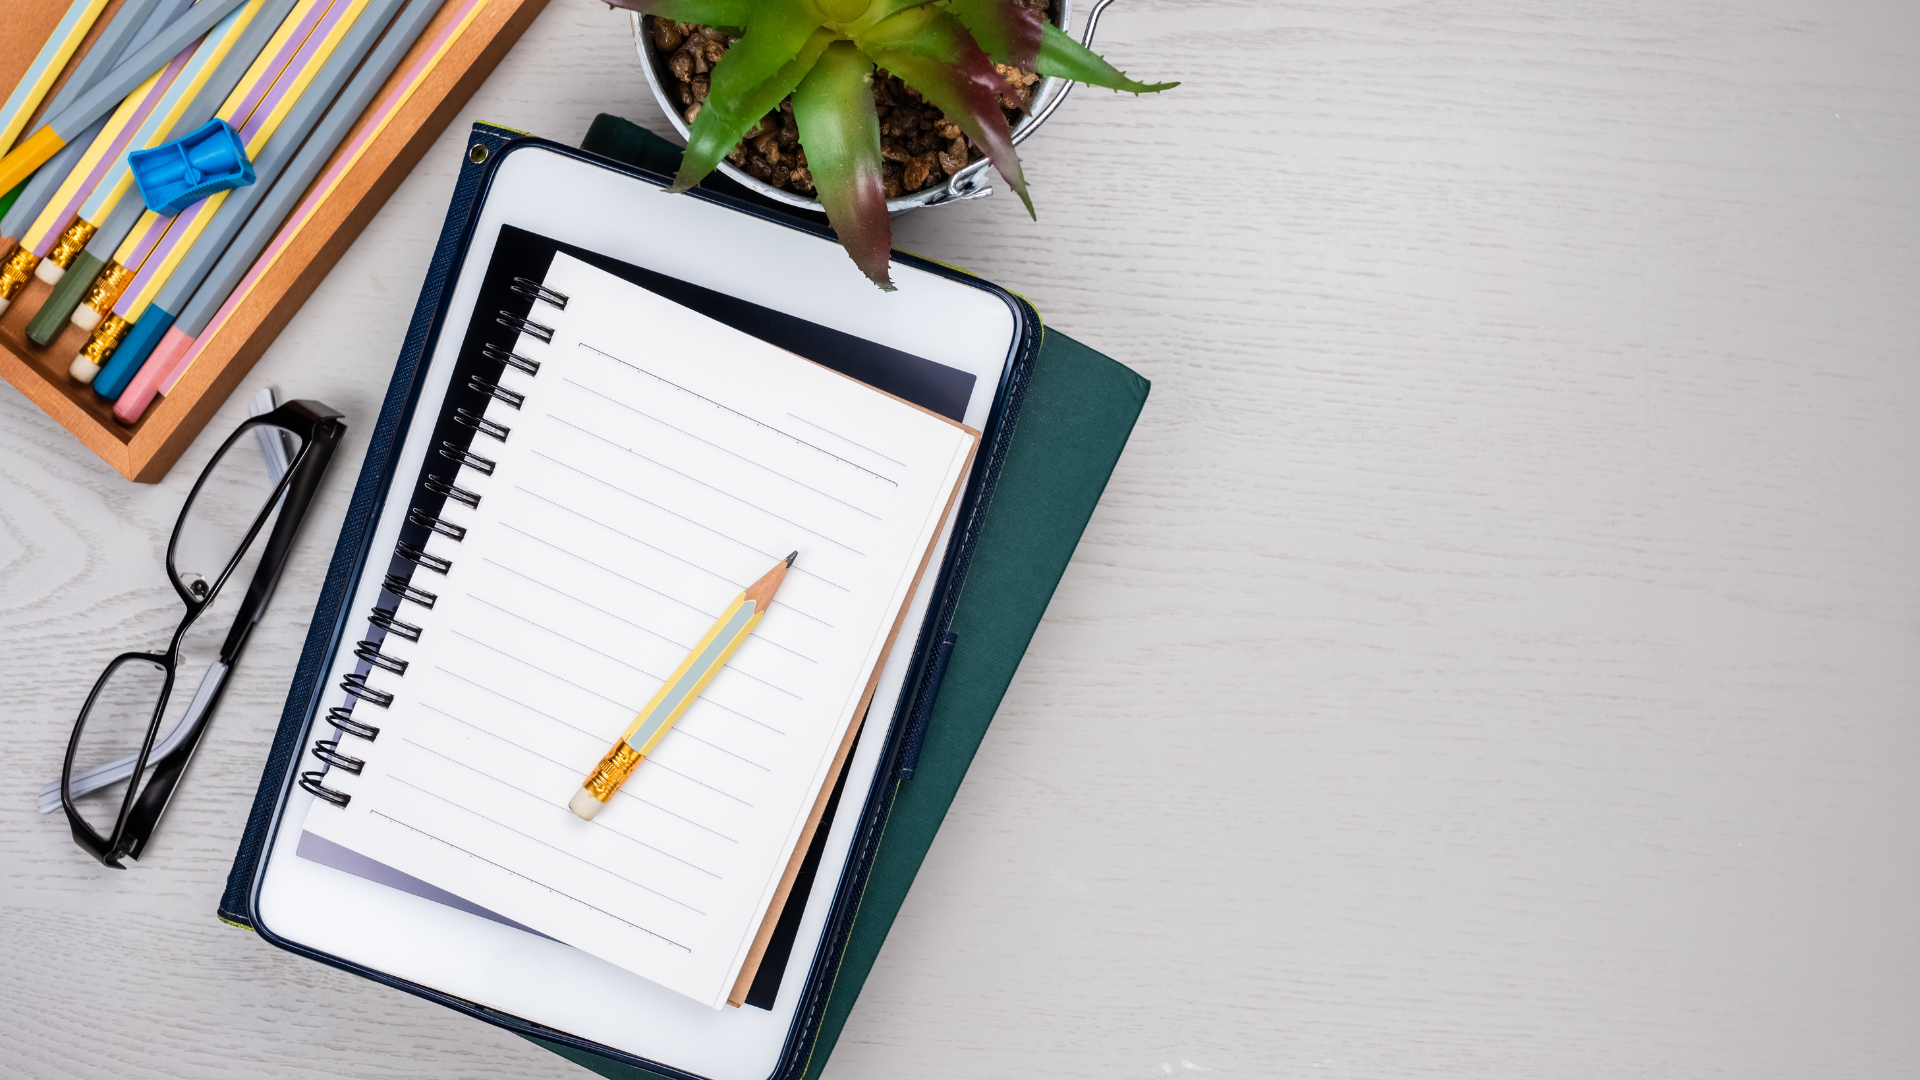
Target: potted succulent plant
{"points": [[790, 94]]}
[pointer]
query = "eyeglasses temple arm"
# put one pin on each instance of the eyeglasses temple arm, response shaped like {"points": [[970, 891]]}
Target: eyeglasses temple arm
{"points": [[300, 493]]}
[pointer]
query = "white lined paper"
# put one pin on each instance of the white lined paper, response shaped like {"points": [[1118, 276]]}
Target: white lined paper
{"points": [[661, 462]]}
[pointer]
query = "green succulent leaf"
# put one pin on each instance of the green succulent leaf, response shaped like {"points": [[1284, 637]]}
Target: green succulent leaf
{"points": [[833, 108], [926, 31], [761, 68], [1066, 58], [968, 91], [823, 52], [1010, 33], [879, 11], [707, 12]]}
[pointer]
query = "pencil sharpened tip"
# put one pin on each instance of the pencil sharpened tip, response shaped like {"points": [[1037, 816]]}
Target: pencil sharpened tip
{"points": [[792, 557]]}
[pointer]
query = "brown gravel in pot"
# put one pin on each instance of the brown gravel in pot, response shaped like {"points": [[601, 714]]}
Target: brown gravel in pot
{"points": [[919, 146]]}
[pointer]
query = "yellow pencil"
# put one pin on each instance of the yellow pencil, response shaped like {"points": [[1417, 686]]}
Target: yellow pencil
{"points": [[679, 691]]}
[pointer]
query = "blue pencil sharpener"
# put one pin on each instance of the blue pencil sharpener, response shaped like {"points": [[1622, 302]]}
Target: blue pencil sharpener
{"points": [[175, 175]]}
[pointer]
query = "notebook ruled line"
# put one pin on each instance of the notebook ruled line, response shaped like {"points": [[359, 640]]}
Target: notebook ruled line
{"points": [[624, 663], [523, 877], [703, 526], [571, 768], [544, 671], [750, 504], [749, 419], [590, 519], [615, 615], [735, 453], [844, 439], [543, 801], [581, 730], [608, 569]]}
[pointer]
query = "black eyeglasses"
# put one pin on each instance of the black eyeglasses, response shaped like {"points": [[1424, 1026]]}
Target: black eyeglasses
{"points": [[229, 505]]}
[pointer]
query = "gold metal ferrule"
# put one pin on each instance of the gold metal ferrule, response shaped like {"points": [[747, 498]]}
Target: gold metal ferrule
{"points": [[612, 771], [106, 338], [106, 288], [71, 243], [17, 271]]}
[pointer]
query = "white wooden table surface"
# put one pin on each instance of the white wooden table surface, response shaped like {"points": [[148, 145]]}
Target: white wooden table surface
{"points": [[1497, 655]]}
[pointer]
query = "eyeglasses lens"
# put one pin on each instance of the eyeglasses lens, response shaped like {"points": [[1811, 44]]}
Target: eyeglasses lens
{"points": [[215, 523], [110, 736]]}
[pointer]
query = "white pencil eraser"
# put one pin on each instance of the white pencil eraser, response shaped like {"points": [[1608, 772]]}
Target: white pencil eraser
{"points": [[585, 805]]}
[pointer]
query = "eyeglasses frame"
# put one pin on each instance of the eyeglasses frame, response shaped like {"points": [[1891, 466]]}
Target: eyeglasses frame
{"points": [[140, 809]]}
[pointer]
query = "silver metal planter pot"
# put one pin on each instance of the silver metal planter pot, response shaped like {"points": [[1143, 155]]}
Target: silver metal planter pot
{"points": [[969, 183]]}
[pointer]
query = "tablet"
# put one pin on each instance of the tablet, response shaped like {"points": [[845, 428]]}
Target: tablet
{"points": [[946, 341]]}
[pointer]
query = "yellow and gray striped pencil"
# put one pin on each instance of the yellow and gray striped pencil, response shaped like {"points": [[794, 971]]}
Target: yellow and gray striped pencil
{"points": [[679, 691]]}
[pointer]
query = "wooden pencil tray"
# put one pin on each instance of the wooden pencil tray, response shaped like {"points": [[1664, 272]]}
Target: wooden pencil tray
{"points": [[144, 451]]}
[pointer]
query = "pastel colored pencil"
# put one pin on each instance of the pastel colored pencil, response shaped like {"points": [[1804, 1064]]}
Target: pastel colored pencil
{"points": [[137, 22], [679, 691], [132, 26], [158, 244], [209, 74], [232, 59], [46, 68], [284, 169], [33, 151], [244, 77], [98, 158], [175, 240], [20, 264], [212, 67], [216, 300], [57, 309]]}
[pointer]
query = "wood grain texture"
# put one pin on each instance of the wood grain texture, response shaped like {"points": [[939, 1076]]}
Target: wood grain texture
{"points": [[1494, 657]]}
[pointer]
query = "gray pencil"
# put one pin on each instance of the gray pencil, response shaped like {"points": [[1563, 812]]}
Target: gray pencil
{"points": [[35, 149], [199, 109], [284, 171], [269, 208], [125, 214], [136, 23]]}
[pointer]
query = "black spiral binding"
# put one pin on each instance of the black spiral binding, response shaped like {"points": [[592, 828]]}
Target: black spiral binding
{"points": [[522, 325], [448, 529], [408, 591], [328, 750], [341, 716], [370, 652], [388, 619], [355, 684], [421, 558], [533, 290], [383, 617], [511, 359], [491, 428], [453, 451], [495, 390], [458, 494]]}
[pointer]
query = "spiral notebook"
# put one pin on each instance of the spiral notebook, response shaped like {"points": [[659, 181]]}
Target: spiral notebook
{"points": [[635, 463]]}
